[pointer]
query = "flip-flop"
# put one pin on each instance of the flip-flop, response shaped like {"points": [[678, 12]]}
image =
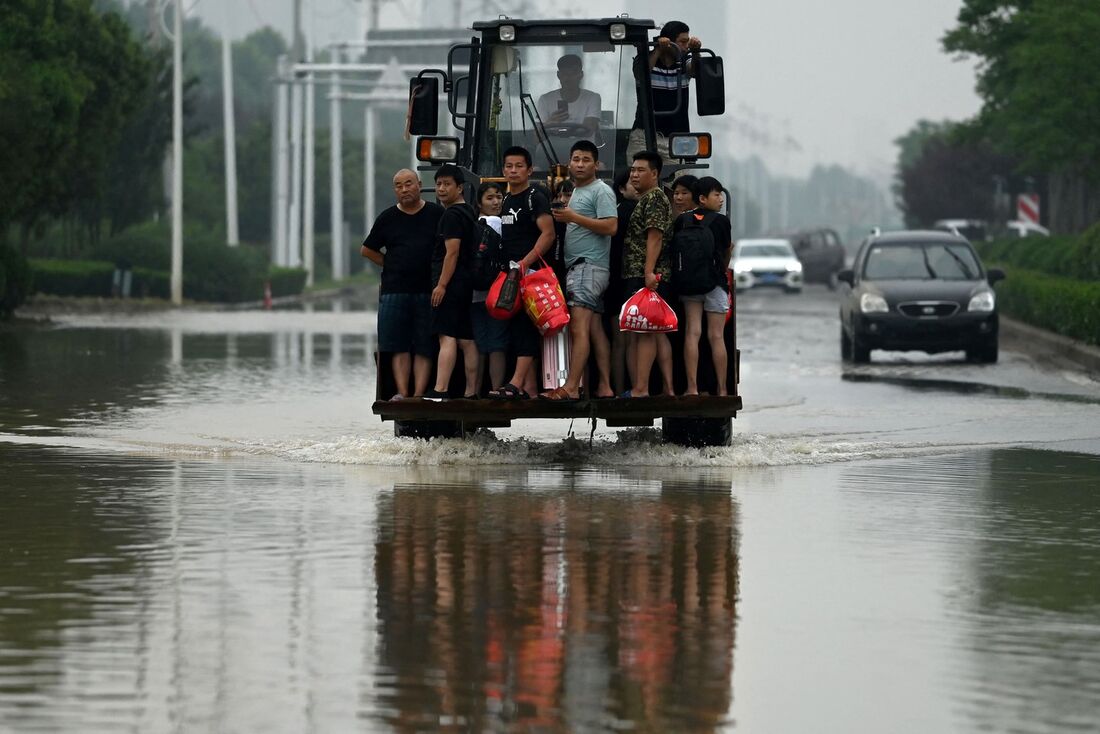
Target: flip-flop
{"points": [[558, 394], [508, 392]]}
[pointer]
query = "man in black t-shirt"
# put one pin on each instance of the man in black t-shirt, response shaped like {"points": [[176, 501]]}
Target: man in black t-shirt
{"points": [[527, 231], [407, 233], [452, 286]]}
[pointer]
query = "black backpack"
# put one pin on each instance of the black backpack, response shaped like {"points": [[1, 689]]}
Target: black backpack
{"points": [[692, 254], [489, 258]]}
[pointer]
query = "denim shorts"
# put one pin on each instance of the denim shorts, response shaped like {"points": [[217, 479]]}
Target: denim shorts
{"points": [[490, 335], [405, 324], [584, 286], [717, 300]]}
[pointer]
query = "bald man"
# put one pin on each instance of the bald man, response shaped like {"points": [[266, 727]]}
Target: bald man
{"points": [[401, 243]]}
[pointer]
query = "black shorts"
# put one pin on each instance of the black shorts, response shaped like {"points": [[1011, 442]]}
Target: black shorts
{"points": [[452, 316], [523, 338]]}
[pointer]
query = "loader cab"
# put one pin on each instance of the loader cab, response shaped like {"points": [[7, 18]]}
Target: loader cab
{"points": [[546, 84]]}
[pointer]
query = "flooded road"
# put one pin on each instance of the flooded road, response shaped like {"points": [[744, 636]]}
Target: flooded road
{"points": [[203, 528]]}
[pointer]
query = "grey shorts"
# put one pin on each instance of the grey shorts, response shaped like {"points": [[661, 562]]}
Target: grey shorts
{"points": [[717, 300], [585, 284]]}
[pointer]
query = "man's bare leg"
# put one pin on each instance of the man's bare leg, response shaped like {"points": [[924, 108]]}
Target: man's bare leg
{"points": [[645, 349], [602, 349], [470, 365], [399, 364], [664, 363], [422, 374], [618, 361], [498, 362], [445, 364]]}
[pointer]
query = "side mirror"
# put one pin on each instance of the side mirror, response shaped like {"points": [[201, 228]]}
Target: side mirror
{"points": [[994, 275], [847, 276], [424, 105], [710, 85]]}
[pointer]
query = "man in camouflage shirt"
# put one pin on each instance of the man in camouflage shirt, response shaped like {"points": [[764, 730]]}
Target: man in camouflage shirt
{"points": [[644, 259]]}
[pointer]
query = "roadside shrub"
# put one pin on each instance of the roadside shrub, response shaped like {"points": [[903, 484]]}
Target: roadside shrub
{"points": [[1062, 305], [150, 284], [73, 277], [15, 280], [1076, 257], [287, 281]]}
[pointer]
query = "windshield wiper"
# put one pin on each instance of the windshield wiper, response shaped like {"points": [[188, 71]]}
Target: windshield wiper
{"points": [[965, 268], [928, 265], [527, 102]]}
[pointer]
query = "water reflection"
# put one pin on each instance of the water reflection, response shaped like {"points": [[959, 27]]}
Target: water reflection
{"points": [[558, 609], [1034, 624]]}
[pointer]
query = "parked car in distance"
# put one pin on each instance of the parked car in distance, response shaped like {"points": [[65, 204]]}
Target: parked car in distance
{"points": [[921, 290], [821, 253], [1018, 229], [975, 230], [766, 262]]}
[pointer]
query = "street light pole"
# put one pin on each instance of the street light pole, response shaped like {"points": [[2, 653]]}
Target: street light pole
{"points": [[232, 234], [177, 153]]}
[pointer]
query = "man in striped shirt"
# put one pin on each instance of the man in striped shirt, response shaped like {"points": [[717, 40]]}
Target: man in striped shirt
{"points": [[670, 71]]}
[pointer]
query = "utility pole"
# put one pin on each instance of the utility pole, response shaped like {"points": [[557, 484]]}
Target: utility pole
{"points": [[336, 133], [282, 168], [294, 240], [310, 150], [177, 153], [230, 131]]}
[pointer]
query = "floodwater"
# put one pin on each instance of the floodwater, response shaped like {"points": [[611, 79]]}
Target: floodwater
{"points": [[203, 528]]}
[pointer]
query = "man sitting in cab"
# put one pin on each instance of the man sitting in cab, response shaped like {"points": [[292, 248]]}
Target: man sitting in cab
{"points": [[570, 111]]}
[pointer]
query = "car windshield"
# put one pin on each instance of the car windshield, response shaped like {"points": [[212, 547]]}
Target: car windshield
{"points": [[921, 261], [546, 97], [771, 249]]}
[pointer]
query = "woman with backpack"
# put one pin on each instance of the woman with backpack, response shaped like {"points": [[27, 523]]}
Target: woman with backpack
{"points": [[700, 250]]}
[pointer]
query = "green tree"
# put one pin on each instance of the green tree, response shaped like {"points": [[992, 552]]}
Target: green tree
{"points": [[70, 77]]}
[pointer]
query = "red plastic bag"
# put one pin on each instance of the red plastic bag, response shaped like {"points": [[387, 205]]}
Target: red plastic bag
{"points": [[503, 301], [544, 301], [645, 312]]}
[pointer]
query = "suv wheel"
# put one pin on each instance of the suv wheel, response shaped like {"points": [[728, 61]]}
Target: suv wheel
{"points": [[987, 353], [861, 354]]}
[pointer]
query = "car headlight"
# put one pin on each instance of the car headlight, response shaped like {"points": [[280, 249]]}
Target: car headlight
{"points": [[871, 303], [982, 302], [795, 267], [741, 268]]}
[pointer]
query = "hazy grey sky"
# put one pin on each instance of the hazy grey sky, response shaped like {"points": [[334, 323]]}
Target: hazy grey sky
{"points": [[848, 75]]}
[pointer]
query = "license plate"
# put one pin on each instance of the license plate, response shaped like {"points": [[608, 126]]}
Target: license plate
{"points": [[769, 278]]}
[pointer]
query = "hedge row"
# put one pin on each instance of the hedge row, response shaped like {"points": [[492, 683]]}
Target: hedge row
{"points": [[1069, 257], [1062, 305], [227, 283], [15, 280]]}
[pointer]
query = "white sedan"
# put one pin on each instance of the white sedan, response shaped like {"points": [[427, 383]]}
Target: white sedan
{"points": [[766, 262]]}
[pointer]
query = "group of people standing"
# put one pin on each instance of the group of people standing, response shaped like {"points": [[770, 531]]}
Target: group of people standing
{"points": [[606, 244], [613, 244]]}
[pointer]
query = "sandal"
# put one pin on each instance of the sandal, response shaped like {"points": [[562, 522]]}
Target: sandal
{"points": [[508, 392], [559, 394]]}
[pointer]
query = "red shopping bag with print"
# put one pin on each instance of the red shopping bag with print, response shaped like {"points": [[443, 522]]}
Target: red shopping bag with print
{"points": [[645, 312], [544, 301]]}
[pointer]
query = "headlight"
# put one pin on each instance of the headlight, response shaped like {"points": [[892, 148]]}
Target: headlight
{"points": [[870, 303], [741, 268], [618, 31], [795, 267], [507, 33], [983, 301]]}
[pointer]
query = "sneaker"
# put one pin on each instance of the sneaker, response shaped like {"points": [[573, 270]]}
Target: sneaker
{"points": [[435, 396]]}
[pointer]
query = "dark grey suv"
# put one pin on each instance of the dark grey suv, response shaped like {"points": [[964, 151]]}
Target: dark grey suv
{"points": [[918, 290]]}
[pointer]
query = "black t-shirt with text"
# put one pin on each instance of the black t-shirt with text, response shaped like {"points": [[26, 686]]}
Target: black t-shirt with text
{"points": [[408, 240], [519, 221], [458, 223]]}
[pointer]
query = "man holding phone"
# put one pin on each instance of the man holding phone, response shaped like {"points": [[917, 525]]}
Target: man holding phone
{"points": [[570, 105]]}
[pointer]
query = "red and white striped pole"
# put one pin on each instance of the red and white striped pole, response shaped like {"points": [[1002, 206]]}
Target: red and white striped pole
{"points": [[1027, 208]]}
